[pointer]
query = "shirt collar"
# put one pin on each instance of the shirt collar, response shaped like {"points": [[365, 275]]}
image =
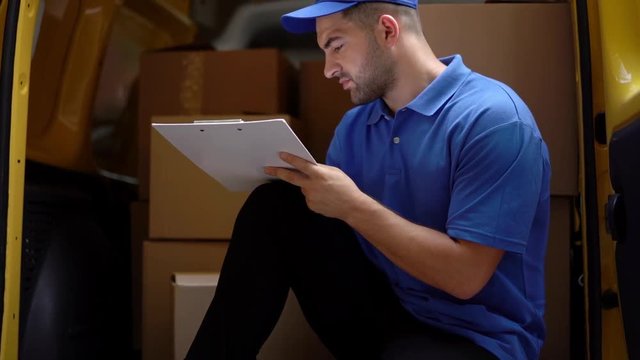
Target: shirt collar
{"points": [[380, 110], [434, 96]]}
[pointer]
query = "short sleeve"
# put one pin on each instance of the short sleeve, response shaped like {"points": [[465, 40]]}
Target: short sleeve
{"points": [[496, 186]]}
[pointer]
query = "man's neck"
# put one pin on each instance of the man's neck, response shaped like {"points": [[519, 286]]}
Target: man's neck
{"points": [[417, 67]]}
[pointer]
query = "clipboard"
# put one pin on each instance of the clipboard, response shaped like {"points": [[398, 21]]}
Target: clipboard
{"points": [[235, 152]]}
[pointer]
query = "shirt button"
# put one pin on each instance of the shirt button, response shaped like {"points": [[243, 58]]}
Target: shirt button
{"points": [[396, 140]]}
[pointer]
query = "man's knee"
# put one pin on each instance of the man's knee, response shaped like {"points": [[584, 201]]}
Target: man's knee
{"points": [[275, 193], [269, 211]]}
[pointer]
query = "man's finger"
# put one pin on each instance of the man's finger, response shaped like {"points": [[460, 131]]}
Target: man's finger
{"points": [[297, 162], [291, 176]]}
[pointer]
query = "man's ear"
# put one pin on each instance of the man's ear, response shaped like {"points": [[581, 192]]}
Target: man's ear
{"points": [[389, 30]]}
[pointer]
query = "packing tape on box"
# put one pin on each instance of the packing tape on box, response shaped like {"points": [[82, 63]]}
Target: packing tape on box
{"points": [[192, 85]]}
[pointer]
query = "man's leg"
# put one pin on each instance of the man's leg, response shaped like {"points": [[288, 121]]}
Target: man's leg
{"points": [[277, 244]]}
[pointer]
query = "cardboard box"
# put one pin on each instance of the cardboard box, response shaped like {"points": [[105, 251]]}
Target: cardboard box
{"points": [[292, 338], [209, 82], [192, 294], [160, 260], [184, 201], [530, 48]]}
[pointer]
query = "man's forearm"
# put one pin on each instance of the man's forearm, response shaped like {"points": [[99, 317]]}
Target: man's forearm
{"points": [[460, 268]]}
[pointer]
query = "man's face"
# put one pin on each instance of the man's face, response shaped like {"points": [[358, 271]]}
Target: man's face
{"points": [[353, 55]]}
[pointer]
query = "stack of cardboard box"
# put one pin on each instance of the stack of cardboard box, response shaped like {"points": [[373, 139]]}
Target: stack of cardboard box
{"points": [[527, 46], [190, 215]]}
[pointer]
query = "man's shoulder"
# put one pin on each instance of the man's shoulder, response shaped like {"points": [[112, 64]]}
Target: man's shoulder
{"points": [[479, 86], [484, 103], [491, 96]]}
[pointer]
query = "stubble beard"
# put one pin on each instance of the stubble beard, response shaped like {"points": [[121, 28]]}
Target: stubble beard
{"points": [[375, 78]]}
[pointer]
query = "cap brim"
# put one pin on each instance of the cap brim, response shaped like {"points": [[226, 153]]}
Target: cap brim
{"points": [[304, 20]]}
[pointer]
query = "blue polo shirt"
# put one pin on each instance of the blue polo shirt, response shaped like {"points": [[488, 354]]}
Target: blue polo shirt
{"points": [[465, 157]]}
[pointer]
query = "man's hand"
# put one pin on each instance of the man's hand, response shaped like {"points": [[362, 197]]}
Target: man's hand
{"points": [[328, 190]]}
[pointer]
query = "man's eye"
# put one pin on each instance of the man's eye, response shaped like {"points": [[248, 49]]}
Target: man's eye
{"points": [[338, 48]]}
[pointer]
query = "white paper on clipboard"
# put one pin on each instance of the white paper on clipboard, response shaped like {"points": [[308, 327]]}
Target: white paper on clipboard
{"points": [[235, 152]]}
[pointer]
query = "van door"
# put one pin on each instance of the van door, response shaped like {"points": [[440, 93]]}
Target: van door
{"points": [[16, 29], [620, 31], [609, 55]]}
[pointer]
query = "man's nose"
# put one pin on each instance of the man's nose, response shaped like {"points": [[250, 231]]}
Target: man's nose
{"points": [[331, 68]]}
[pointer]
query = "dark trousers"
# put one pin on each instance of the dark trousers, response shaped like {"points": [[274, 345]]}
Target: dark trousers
{"points": [[279, 244]]}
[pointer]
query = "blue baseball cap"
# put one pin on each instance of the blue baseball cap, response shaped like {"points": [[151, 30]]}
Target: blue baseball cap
{"points": [[304, 20]]}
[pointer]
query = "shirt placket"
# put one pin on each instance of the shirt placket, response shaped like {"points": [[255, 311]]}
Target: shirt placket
{"points": [[393, 176]]}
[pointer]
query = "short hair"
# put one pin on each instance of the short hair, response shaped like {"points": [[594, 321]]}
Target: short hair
{"points": [[366, 15]]}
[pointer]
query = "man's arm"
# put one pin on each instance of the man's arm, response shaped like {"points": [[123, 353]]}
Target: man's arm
{"points": [[458, 267]]}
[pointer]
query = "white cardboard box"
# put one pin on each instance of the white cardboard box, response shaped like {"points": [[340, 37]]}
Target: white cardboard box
{"points": [[192, 293]]}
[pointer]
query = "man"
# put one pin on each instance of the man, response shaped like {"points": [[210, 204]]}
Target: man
{"points": [[423, 237]]}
